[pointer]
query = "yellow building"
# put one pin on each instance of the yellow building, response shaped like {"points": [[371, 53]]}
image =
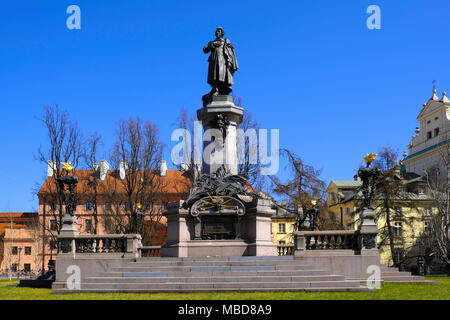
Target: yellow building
{"points": [[338, 209], [410, 216], [283, 227]]}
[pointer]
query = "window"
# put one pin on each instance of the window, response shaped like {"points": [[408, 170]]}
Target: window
{"points": [[14, 267], [88, 205], [348, 211], [53, 206], [27, 267], [398, 211], [429, 135], [281, 228], [14, 251], [127, 206], [53, 225], [88, 225], [281, 243], [107, 205], [427, 211], [27, 251], [398, 255], [436, 132], [428, 227], [398, 231]]}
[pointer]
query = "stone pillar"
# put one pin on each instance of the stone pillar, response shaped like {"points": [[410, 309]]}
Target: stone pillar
{"points": [[368, 231], [178, 234], [258, 224], [219, 119], [69, 227]]}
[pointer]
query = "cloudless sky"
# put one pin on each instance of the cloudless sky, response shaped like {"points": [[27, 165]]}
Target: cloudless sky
{"points": [[334, 88]]}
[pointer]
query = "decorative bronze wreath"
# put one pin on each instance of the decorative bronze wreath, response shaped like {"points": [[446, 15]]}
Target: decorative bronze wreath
{"points": [[213, 204]]}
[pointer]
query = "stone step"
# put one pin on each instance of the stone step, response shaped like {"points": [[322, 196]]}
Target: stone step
{"points": [[213, 279], [213, 263], [200, 268], [196, 290], [209, 259], [222, 285], [147, 273]]}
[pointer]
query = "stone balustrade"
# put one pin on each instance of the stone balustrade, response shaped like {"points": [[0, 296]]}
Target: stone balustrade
{"points": [[333, 240], [285, 249], [150, 251], [126, 244]]}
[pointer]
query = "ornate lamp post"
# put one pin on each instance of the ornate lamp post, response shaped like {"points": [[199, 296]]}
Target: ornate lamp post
{"points": [[138, 218], [368, 228], [313, 214], [69, 219]]}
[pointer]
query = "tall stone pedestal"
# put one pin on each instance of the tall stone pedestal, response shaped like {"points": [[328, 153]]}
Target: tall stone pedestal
{"points": [[255, 234], [220, 118]]}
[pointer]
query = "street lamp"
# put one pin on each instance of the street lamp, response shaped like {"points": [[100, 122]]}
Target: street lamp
{"points": [[138, 219], [313, 214]]}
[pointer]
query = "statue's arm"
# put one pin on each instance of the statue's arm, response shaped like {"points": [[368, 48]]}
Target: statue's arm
{"points": [[207, 48]]}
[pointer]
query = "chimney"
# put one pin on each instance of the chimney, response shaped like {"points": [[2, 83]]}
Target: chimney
{"points": [[163, 168], [184, 166], [102, 167], [123, 166], [50, 168]]}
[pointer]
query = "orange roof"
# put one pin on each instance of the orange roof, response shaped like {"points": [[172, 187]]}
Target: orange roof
{"points": [[173, 183], [19, 219]]}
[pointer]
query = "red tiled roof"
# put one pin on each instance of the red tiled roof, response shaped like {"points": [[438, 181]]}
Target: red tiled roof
{"points": [[173, 183], [19, 219]]}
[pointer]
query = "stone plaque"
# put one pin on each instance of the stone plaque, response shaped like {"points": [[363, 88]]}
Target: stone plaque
{"points": [[218, 227]]}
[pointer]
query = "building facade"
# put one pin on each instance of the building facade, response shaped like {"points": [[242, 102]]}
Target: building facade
{"points": [[108, 209], [431, 137], [19, 243], [410, 216]]}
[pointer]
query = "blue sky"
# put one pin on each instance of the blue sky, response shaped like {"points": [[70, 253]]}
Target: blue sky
{"points": [[334, 88]]}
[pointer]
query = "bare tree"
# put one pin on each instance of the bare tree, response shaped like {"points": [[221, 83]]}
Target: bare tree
{"points": [[391, 198], [64, 145], [93, 179], [302, 186], [189, 164], [139, 151], [247, 166], [438, 180], [328, 220]]}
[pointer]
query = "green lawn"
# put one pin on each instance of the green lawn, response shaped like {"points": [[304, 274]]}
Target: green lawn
{"points": [[390, 291]]}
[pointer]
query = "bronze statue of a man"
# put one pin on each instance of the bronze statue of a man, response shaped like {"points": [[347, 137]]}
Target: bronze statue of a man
{"points": [[222, 64]]}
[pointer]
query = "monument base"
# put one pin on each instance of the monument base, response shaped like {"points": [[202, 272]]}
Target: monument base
{"points": [[256, 241]]}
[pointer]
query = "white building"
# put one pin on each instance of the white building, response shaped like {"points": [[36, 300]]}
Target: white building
{"points": [[433, 135]]}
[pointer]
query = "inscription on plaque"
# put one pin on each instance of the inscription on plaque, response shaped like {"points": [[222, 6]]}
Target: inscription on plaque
{"points": [[217, 228]]}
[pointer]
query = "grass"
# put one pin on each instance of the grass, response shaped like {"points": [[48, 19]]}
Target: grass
{"points": [[390, 291]]}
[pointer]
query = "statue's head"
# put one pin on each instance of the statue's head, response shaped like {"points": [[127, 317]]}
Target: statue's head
{"points": [[220, 32]]}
